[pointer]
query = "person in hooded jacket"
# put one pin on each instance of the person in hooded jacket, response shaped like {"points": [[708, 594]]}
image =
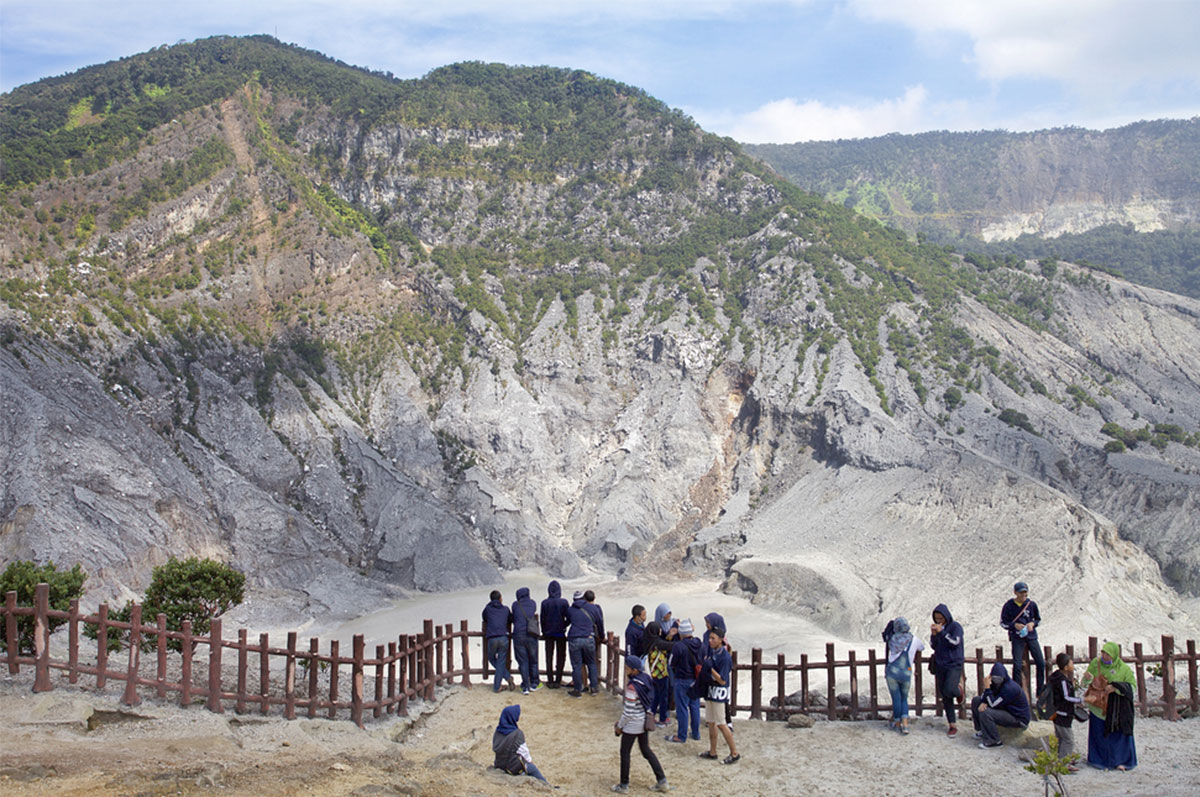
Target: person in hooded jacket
{"points": [[635, 632], [554, 631], [946, 640], [497, 622], [508, 743], [581, 642], [525, 644], [631, 726], [658, 651], [1002, 703], [593, 668], [686, 655], [1064, 701]]}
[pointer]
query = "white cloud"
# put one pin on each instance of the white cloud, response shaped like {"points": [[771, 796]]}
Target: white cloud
{"points": [[788, 121]]}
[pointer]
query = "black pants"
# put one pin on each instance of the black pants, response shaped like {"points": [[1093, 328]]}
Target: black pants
{"points": [[555, 644], [946, 683], [643, 740]]}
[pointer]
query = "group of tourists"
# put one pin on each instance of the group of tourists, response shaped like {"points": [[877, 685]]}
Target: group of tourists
{"points": [[1106, 701], [666, 663]]}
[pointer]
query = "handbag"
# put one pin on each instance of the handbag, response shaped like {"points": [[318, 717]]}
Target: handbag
{"points": [[650, 724], [1095, 696], [533, 626]]}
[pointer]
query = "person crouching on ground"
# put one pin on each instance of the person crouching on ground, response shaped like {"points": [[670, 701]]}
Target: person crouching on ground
{"points": [[902, 648], [719, 664], [1062, 693], [508, 743], [1002, 703], [635, 723]]}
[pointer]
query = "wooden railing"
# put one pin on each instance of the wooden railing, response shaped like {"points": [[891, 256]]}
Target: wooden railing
{"points": [[253, 676]]}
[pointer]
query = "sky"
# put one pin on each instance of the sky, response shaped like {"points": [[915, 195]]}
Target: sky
{"points": [[758, 71]]}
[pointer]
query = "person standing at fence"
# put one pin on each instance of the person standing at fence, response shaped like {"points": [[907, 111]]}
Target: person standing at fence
{"points": [[554, 631], [635, 632], [1003, 703], [686, 655], [1110, 727], [902, 649], [497, 623], [508, 744], [1021, 618], [718, 665], [581, 642], [946, 639], [525, 640], [715, 623], [635, 724], [1064, 701], [658, 651], [597, 614]]}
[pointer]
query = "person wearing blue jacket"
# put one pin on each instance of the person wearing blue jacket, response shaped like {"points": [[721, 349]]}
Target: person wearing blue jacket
{"points": [[554, 631], [525, 644], [635, 632], [497, 623], [686, 655], [1002, 703], [1020, 618], [597, 615], [946, 640], [581, 642]]}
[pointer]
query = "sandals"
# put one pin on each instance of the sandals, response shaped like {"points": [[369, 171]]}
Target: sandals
{"points": [[675, 740], [709, 756], [733, 759]]}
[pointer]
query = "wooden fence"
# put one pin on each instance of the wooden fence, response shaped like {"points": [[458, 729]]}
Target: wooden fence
{"points": [[310, 682]]}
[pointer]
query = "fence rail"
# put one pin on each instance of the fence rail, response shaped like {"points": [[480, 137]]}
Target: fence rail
{"points": [[257, 676]]}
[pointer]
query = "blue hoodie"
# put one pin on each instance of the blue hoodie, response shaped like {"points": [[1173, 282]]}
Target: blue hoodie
{"points": [[523, 608], [580, 620], [554, 612], [597, 615], [685, 655], [1009, 696], [947, 645], [497, 620], [634, 638]]}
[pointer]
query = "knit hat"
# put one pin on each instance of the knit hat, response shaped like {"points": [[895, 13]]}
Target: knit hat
{"points": [[578, 595], [685, 627]]}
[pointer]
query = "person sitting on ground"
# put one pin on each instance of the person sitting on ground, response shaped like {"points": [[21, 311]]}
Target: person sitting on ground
{"points": [[525, 640], [581, 642], [497, 623], [716, 698], [1021, 618], [1064, 701], [902, 649], [635, 632], [1110, 729], [508, 743], [686, 655], [658, 650], [946, 639], [631, 726], [554, 630], [1002, 703], [597, 614]]}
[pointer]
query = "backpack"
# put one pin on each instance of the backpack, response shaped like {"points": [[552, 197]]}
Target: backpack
{"points": [[1044, 708]]}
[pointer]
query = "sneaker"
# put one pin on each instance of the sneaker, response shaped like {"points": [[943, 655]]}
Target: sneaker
{"points": [[524, 691], [593, 691], [986, 745], [621, 788], [978, 734], [662, 785], [536, 687], [574, 693], [553, 685], [952, 732]]}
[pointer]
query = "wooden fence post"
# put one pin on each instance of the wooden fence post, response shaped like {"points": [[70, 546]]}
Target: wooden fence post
{"points": [[429, 671], [853, 687], [756, 683], [1168, 678], [102, 646], [214, 666], [402, 673], [41, 638], [161, 650], [73, 642], [314, 672], [804, 682], [243, 663], [1193, 684], [733, 683], [334, 662], [11, 644], [439, 649], [831, 696], [377, 712], [1139, 668], [918, 699], [356, 687], [450, 634], [873, 664], [391, 677], [130, 698], [1093, 648], [780, 685], [289, 678], [264, 673], [185, 686], [466, 654], [979, 671]]}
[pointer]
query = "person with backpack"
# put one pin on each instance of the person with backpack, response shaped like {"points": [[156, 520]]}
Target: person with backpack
{"points": [[1002, 703], [1060, 690], [946, 639], [635, 724], [508, 744], [581, 642], [497, 623], [902, 649], [554, 630], [686, 655], [1021, 618], [658, 651], [525, 640], [718, 667]]}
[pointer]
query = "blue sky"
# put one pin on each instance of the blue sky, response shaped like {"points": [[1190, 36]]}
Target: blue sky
{"points": [[756, 70]]}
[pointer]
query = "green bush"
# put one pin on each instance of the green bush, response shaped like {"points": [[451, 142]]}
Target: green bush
{"points": [[23, 576], [1114, 447]]}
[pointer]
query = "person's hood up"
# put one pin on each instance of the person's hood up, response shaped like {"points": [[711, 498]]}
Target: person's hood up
{"points": [[653, 628], [660, 612], [508, 720], [941, 607], [554, 590], [523, 593], [715, 620], [999, 669]]}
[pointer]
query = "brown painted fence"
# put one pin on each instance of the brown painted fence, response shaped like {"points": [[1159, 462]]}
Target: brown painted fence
{"points": [[310, 682]]}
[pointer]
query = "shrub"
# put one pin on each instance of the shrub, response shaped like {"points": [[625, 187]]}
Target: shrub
{"points": [[952, 397], [23, 576], [1114, 447]]}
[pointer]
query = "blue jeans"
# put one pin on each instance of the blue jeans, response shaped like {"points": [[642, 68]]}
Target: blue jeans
{"points": [[497, 653], [685, 706], [583, 652], [899, 692], [525, 648], [1035, 652], [533, 771], [662, 698]]}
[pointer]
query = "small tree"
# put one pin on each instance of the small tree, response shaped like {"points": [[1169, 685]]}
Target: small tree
{"points": [[192, 589], [24, 576]]}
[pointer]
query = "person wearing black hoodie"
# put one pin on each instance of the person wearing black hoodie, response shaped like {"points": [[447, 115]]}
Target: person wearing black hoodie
{"points": [[686, 655], [635, 632], [597, 614], [581, 642], [1002, 703], [525, 644], [946, 640], [554, 631], [497, 622]]}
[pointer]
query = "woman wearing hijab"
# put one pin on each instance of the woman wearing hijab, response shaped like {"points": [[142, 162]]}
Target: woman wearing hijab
{"points": [[508, 743], [658, 651], [902, 648], [1110, 730], [631, 726]]}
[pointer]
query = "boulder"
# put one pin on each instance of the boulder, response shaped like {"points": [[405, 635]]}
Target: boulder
{"points": [[800, 721], [1029, 738]]}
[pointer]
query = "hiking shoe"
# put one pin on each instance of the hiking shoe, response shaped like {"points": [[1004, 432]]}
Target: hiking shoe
{"points": [[952, 732], [621, 788], [662, 785], [986, 745], [574, 693]]}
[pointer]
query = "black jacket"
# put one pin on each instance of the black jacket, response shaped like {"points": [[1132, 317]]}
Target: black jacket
{"points": [[1118, 716]]}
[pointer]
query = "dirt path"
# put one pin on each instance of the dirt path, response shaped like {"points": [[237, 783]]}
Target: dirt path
{"points": [[162, 749]]}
